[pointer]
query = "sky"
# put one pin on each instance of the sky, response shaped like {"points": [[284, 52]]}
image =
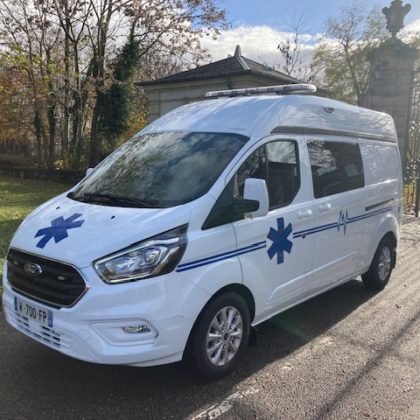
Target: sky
{"points": [[259, 25], [273, 13]]}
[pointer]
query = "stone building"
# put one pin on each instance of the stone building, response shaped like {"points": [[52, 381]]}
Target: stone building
{"points": [[190, 86]]}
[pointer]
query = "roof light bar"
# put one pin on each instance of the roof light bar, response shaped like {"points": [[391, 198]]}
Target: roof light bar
{"points": [[278, 90]]}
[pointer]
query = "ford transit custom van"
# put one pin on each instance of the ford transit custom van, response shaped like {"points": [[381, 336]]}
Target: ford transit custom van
{"points": [[214, 218]]}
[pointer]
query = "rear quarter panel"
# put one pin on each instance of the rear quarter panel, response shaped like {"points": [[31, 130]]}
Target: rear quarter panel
{"points": [[383, 180]]}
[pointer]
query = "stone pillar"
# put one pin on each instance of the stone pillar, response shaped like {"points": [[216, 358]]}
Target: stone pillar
{"points": [[391, 76]]}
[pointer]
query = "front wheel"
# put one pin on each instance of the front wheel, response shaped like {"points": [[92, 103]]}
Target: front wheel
{"points": [[381, 268], [221, 336]]}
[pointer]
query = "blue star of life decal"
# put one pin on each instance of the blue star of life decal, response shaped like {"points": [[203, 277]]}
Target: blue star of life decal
{"points": [[58, 229], [280, 241]]}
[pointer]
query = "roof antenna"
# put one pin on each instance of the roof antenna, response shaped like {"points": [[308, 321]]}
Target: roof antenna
{"points": [[238, 52]]}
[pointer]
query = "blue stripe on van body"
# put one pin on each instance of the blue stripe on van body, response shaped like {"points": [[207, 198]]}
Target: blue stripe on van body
{"points": [[260, 245], [221, 257], [338, 225]]}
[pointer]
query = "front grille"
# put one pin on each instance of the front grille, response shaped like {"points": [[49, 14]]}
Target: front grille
{"points": [[59, 285]]}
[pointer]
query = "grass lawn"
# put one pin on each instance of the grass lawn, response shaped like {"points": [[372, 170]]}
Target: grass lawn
{"points": [[18, 197]]}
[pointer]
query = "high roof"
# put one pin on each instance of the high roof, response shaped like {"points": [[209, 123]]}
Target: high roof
{"points": [[234, 65], [259, 116]]}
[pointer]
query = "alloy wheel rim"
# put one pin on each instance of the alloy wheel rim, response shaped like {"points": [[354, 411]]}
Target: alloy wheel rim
{"points": [[224, 336], [384, 263]]}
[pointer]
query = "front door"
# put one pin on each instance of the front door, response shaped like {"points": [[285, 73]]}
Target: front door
{"points": [[275, 264]]}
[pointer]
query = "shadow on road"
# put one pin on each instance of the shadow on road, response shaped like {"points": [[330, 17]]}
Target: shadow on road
{"points": [[39, 380]]}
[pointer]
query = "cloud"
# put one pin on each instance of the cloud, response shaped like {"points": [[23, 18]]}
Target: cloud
{"points": [[259, 43], [413, 26]]}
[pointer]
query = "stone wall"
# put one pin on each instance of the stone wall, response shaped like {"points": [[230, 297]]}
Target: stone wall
{"points": [[165, 97]]}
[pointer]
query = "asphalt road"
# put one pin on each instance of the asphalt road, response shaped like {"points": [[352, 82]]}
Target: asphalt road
{"points": [[346, 354]]}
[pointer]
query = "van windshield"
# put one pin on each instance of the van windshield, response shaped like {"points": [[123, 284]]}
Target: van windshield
{"points": [[160, 169]]}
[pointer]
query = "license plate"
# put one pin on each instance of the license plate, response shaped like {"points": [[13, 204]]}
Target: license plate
{"points": [[34, 313]]}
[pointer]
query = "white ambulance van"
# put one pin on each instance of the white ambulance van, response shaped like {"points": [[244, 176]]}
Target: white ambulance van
{"points": [[214, 218]]}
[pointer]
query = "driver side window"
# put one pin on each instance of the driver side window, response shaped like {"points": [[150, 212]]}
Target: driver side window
{"points": [[254, 167], [276, 163]]}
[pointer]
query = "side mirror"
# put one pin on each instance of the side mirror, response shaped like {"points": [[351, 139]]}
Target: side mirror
{"points": [[256, 190], [89, 171]]}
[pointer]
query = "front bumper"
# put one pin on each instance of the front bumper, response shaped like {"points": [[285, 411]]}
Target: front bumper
{"points": [[92, 329]]}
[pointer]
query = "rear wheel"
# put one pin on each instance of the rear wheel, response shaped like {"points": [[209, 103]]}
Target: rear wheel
{"points": [[381, 268], [221, 336]]}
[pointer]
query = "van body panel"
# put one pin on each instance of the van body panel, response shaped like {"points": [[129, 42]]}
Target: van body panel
{"points": [[103, 229], [258, 116], [381, 162], [336, 241], [333, 115], [385, 223], [223, 116], [91, 329], [383, 193], [336, 238], [211, 259], [383, 200], [307, 245], [276, 282]]}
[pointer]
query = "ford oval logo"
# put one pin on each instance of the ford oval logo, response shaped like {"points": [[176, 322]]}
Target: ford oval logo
{"points": [[32, 269]]}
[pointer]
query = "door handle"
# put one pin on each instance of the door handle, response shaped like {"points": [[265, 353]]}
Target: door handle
{"points": [[302, 214], [324, 207]]}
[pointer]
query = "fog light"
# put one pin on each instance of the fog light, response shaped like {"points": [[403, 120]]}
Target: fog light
{"points": [[136, 329]]}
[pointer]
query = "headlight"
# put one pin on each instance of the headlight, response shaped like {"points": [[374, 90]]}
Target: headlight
{"points": [[152, 257]]}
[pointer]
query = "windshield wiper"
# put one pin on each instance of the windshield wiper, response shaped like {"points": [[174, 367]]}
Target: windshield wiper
{"points": [[114, 199]]}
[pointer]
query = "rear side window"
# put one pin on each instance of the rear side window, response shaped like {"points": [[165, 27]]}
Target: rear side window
{"points": [[336, 167]]}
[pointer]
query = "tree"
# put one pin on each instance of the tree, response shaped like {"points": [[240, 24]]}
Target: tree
{"points": [[292, 52], [340, 62], [158, 27], [31, 39], [412, 174], [15, 111], [114, 104], [78, 58]]}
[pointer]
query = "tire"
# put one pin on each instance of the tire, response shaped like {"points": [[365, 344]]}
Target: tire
{"points": [[377, 277], [220, 355]]}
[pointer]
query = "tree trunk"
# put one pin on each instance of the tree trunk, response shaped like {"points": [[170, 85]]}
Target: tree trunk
{"points": [[66, 106], [51, 112], [80, 97], [39, 132], [95, 146], [38, 137], [353, 74], [95, 149], [52, 123]]}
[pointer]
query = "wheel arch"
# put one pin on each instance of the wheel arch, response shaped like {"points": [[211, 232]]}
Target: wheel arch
{"points": [[238, 288], [388, 227]]}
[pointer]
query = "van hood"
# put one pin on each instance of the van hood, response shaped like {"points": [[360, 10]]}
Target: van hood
{"points": [[79, 233]]}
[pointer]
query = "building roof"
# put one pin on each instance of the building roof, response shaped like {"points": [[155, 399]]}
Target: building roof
{"points": [[231, 66]]}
